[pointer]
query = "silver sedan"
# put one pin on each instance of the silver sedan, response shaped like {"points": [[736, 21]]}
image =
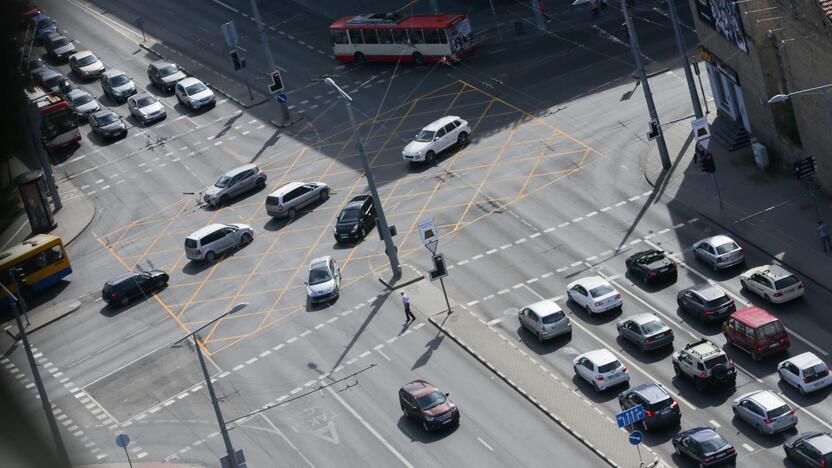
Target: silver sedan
{"points": [[146, 108]]}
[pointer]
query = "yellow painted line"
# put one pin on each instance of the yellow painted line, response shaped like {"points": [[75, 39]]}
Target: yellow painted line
{"points": [[534, 168], [199, 288]]}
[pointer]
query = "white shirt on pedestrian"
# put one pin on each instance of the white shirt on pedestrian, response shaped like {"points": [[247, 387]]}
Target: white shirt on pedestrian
{"points": [[405, 299]]}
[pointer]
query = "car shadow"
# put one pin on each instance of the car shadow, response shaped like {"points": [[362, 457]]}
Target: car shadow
{"points": [[710, 396], [593, 319], [158, 92], [806, 400], [542, 348], [763, 440], [660, 435], [276, 224], [416, 433], [237, 198], [651, 287], [645, 357], [98, 140], [106, 101], [111, 310], [588, 391], [319, 306], [760, 369], [703, 328]]}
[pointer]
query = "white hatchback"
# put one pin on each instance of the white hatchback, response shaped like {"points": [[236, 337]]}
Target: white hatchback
{"points": [[600, 368], [437, 137], [806, 372], [772, 283], [595, 294], [720, 252]]}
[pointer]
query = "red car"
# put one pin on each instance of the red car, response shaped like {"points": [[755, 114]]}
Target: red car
{"points": [[423, 402], [756, 331]]}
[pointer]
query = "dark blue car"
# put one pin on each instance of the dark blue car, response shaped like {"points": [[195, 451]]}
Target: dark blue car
{"points": [[705, 446], [43, 26]]}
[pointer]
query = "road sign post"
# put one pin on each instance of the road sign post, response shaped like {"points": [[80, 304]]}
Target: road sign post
{"points": [[635, 439], [630, 416], [122, 440], [427, 231]]}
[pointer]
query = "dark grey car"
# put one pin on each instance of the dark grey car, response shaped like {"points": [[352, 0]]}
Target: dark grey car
{"points": [[645, 331], [660, 409], [108, 124], [83, 103], [707, 302], [165, 74]]}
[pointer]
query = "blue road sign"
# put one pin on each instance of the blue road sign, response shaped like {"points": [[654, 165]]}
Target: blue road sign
{"points": [[630, 416], [636, 437], [281, 98]]}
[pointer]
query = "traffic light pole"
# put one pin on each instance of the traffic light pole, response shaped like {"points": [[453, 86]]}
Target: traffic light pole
{"points": [[680, 43], [445, 293], [286, 118], [716, 189]]}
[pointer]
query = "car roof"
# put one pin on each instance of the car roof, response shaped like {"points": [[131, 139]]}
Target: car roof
{"points": [[591, 282], [189, 81], [753, 316], [240, 169], [702, 433], [48, 73], [439, 123], [82, 54], [319, 262], [651, 392], [805, 360], [707, 291], [161, 63], [121, 278], [286, 188], [204, 231], [103, 112], [646, 253], [765, 398], [545, 308], [821, 441], [600, 356], [143, 94], [418, 387], [112, 72], [54, 35], [718, 240], [643, 318], [774, 272], [357, 201]]}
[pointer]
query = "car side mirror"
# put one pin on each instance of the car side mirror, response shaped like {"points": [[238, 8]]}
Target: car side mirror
{"points": [[305, 283], [447, 394]]}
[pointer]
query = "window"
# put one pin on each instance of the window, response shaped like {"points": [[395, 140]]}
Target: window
{"points": [[291, 195], [399, 36], [440, 133], [339, 36], [370, 36], [356, 37], [457, 123], [450, 127], [416, 36], [384, 36], [431, 36], [553, 318]]}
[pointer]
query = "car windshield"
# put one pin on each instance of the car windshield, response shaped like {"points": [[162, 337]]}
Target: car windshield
{"points": [[609, 367], [87, 60], [601, 290], [648, 259], [712, 443], [349, 215], [119, 80], [107, 119], [195, 88], [54, 81], [779, 411], [223, 182], [720, 301], [166, 70], [725, 248], [431, 400], [425, 136], [769, 329], [319, 275], [61, 42], [553, 318], [786, 282], [81, 99], [715, 361], [144, 101], [652, 327]]}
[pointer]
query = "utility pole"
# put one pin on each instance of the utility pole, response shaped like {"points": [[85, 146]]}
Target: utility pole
{"points": [[20, 279], [286, 118], [680, 43], [389, 247], [648, 96]]}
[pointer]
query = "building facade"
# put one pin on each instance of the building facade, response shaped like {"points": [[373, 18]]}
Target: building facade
{"points": [[756, 49]]}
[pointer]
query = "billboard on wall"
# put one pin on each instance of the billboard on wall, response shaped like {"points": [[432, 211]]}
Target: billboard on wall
{"points": [[723, 16]]}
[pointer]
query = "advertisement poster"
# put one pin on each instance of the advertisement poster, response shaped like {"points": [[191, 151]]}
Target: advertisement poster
{"points": [[723, 16]]}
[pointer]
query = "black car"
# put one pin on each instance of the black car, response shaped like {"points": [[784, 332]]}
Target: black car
{"points": [[108, 124], [121, 289], [810, 449], [651, 265], [422, 401], [707, 302], [355, 219], [164, 74], [705, 446], [660, 409]]}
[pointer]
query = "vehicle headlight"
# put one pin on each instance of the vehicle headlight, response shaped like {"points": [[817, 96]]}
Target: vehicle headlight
{"points": [[309, 291], [429, 418], [354, 228]]}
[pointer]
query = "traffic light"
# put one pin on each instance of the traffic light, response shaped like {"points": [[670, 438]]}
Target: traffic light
{"points": [[707, 162], [277, 82], [235, 57], [439, 268]]}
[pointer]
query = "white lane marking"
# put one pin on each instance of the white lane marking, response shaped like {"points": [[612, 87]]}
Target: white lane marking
{"points": [[218, 2], [589, 215], [384, 355], [748, 447], [578, 219], [370, 428], [486, 445], [487, 253], [634, 198], [620, 203], [477, 257], [548, 230], [495, 321], [715, 424], [503, 247], [472, 303], [502, 291], [537, 234]]}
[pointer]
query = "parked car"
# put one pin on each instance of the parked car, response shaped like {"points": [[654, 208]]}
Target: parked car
{"points": [[756, 331], [646, 331], [193, 94], [356, 218], [810, 449], [165, 74], [545, 319], [108, 125], [806, 372], [86, 65], [31, 65], [127, 286], [705, 446], [146, 108], [117, 85], [595, 294], [215, 239], [720, 252], [705, 363], [58, 46], [51, 80], [233, 183], [324, 282], [82, 103], [651, 265], [437, 137], [425, 403], [765, 411], [660, 409], [601, 369], [773, 283], [43, 26], [294, 196], [707, 302]]}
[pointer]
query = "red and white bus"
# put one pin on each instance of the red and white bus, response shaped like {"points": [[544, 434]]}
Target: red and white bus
{"points": [[58, 123], [390, 37]]}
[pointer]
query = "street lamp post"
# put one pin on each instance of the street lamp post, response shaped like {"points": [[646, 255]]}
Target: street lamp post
{"points": [[824, 91], [229, 449], [389, 247]]}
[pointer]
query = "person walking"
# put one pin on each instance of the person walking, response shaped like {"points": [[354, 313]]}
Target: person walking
{"points": [[823, 231], [408, 315]]}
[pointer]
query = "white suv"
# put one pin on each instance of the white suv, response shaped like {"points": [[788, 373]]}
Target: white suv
{"points": [[437, 137], [772, 283], [194, 94]]}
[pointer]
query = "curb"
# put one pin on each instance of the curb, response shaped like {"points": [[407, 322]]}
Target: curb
{"points": [[523, 393], [89, 220], [399, 286], [38, 321]]}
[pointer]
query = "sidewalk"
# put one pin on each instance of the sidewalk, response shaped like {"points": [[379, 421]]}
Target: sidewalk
{"points": [[529, 376], [769, 210]]}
